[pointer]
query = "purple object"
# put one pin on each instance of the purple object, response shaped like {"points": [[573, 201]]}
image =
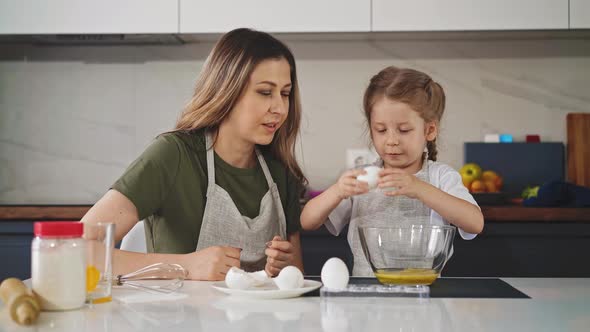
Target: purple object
{"points": [[314, 193]]}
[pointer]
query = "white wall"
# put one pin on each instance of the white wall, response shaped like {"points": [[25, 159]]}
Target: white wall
{"points": [[72, 118]]}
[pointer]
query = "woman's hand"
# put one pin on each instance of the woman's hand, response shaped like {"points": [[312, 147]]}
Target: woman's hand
{"points": [[348, 185], [211, 263], [279, 254], [397, 182]]}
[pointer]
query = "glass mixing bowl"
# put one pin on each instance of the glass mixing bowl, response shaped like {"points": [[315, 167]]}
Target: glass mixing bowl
{"points": [[410, 255]]}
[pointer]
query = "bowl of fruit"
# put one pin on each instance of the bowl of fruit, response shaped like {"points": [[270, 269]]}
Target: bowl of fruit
{"points": [[484, 185]]}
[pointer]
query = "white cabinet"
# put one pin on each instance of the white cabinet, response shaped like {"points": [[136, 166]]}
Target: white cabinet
{"points": [[580, 14], [88, 16], [456, 15], [218, 16], [209, 16]]}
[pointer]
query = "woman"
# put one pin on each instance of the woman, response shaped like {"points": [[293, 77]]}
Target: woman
{"points": [[222, 189]]}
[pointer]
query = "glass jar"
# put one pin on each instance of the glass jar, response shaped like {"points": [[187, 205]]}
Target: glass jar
{"points": [[58, 265]]}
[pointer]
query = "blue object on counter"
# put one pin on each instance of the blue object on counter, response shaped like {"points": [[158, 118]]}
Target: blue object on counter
{"points": [[560, 193], [506, 138]]}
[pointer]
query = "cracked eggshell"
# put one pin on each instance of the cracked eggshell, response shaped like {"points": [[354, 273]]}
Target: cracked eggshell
{"points": [[260, 277], [238, 279]]}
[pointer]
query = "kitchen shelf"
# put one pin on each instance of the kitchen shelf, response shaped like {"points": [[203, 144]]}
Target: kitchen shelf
{"points": [[534, 214], [491, 213], [43, 212]]}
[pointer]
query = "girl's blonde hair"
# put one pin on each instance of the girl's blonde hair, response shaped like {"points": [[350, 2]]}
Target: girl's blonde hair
{"points": [[411, 87], [224, 77]]}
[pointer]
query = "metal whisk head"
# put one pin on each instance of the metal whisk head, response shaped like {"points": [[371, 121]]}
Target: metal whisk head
{"points": [[159, 278]]}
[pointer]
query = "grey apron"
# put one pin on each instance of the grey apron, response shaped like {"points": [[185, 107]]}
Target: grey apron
{"points": [[376, 209], [224, 225]]}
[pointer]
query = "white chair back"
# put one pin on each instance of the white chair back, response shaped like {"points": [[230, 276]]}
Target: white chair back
{"points": [[135, 239]]}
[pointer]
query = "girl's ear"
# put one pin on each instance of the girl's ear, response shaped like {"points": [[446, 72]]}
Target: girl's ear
{"points": [[431, 131]]}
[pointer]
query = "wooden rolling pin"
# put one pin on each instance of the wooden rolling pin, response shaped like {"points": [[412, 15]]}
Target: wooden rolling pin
{"points": [[22, 303]]}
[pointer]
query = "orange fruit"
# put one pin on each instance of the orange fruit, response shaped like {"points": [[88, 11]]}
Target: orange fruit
{"points": [[489, 175], [478, 186], [499, 182], [490, 186], [494, 178]]}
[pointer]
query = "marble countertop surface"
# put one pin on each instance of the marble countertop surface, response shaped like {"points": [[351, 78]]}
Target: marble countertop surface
{"points": [[555, 305]]}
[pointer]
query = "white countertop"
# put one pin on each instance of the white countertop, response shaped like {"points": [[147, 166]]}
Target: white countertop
{"points": [[555, 305]]}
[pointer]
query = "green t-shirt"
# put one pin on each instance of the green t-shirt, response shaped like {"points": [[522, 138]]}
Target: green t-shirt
{"points": [[168, 186]]}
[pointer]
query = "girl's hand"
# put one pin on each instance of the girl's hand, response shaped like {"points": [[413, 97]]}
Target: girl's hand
{"points": [[400, 183], [348, 185], [279, 254], [211, 263]]}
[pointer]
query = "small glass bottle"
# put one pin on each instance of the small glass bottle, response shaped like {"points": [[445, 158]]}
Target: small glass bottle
{"points": [[58, 265]]}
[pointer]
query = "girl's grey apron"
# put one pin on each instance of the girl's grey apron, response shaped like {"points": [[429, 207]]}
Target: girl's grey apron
{"points": [[224, 225], [376, 209]]}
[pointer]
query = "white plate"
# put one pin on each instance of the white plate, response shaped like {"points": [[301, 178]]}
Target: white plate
{"points": [[269, 291]]}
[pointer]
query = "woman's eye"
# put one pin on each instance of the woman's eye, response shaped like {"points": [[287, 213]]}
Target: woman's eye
{"points": [[265, 92], [286, 93]]}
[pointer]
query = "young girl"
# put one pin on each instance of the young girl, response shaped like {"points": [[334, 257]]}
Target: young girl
{"points": [[403, 108]]}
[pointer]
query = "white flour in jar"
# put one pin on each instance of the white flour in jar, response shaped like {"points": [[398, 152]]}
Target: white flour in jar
{"points": [[58, 273]]}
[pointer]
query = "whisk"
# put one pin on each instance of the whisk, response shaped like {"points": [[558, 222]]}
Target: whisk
{"points": [[156, 278]]}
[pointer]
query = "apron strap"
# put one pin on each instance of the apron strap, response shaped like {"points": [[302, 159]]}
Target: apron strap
{"points": [[265, 169], [210, 161]]}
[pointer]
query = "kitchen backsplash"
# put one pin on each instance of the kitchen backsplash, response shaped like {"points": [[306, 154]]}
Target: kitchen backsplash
{"points": [[73, 117]]}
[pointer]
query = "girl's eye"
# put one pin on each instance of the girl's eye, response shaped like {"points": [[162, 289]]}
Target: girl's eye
{"points": [[405, 130], [380, 130]]}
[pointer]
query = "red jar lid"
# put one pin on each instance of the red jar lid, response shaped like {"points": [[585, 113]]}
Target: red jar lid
{"points": [[58, 228]]}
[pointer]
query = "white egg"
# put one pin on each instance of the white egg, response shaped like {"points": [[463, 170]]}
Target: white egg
{"points": [[371, 176], [238, 279], [289, 278], [335, 274]]}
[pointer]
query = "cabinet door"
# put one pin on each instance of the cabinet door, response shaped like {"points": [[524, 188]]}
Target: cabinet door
{"points": [[197, 16], [580, 14], [453, 15], [88, 16], [15, 249]]}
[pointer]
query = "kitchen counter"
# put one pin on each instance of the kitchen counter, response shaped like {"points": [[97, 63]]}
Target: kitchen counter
{"points": [[555, 305]]}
